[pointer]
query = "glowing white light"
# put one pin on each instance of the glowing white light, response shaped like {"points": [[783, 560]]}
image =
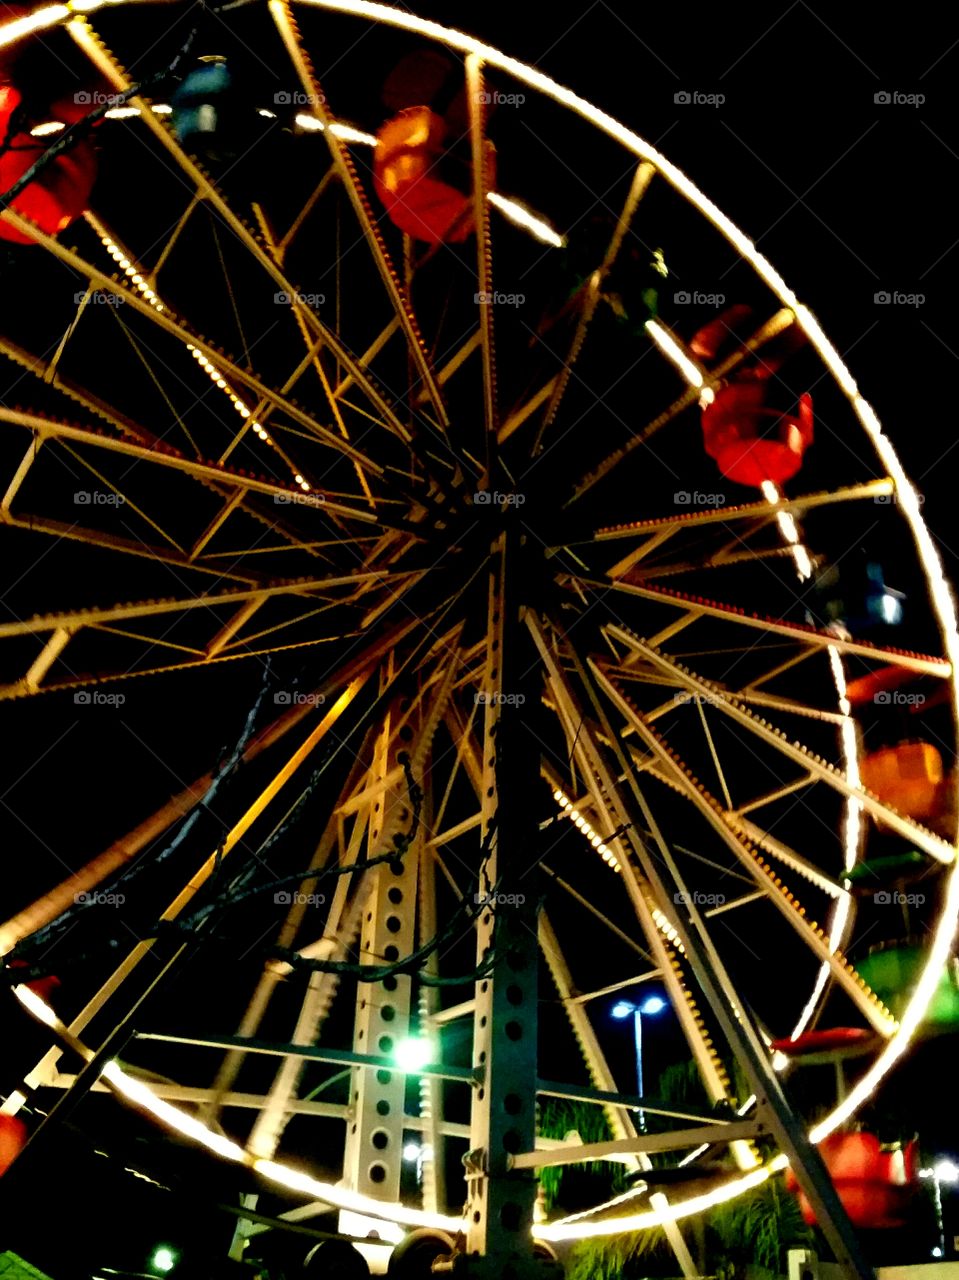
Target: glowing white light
{"points": [[412, 1053], [45, 130], [164, 1259], [674, 352], [37, 21], [346, 133], [308, 122], [520, 216], [35, 1006]]}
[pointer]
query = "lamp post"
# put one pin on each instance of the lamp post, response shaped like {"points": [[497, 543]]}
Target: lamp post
{"points": [[943, 1171], [623, 1009]]}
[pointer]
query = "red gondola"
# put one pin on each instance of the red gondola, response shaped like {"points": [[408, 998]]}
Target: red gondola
{"points": [[909, 777], [875, 1183], [833, 1042], [752, 443], [13, 1137], [426, 193], [59, 193]]}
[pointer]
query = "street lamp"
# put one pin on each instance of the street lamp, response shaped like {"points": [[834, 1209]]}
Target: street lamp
{"points": [[624, 1009], [942, 1172]]}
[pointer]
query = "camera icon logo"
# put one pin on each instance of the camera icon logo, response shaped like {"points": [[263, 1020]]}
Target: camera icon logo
{"points": [[883, 698], [283, 698], [882, 98], [682, 498], [682, 98], [82, 698], [482, 498], [282, 99], [282, 898], [682, 299], [883, 897], [82, 498], [882, 298], [83, 98]]}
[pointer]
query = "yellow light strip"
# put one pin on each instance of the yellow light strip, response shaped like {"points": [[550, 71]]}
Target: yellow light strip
{"points": [[588, 831], [215, 375]]}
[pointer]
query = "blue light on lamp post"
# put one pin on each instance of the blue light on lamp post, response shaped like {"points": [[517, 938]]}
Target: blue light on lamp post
{"points": [[624, 1009]]}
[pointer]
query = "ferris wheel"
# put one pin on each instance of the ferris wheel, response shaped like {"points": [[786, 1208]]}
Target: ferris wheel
{"points": [[588, 591]]}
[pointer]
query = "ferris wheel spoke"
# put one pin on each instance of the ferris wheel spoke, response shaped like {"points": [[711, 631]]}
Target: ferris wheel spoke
{"points": [[479, 151], [924, 664], [604, 789], [656, 530], [346, 169], [45, 427], [89, 41], [782, 898], [925, 839], [642, 176], [62, 629], [298, 307]]}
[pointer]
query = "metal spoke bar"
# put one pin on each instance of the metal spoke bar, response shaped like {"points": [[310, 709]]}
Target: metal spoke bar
{"points": [[343, 163], [811, 934], [922, 664], [793, 750], [317, 1053], [631, 1101], [87, 39], [796, 506], [151, 608], [49, 428], [645, 1142]]}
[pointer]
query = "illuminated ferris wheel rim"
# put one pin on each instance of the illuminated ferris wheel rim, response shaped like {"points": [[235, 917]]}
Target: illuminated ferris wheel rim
{"points": [[944, 610]]}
